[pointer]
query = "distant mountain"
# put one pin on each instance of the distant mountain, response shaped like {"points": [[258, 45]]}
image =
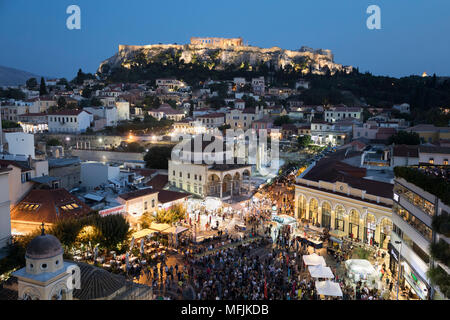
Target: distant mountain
{"points": [[14, 77]]}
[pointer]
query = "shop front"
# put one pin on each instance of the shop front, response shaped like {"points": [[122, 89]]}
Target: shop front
{"points": [[393, 259], [413, 283]]}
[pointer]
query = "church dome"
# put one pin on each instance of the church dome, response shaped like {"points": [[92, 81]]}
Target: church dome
{"points": [[43, 247]]}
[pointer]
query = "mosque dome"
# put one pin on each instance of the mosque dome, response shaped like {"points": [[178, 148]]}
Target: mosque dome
{"points": [[43, 247]]}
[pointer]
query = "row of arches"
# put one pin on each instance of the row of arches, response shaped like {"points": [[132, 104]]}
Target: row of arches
{"points": [[229, 185], [365, 227]]}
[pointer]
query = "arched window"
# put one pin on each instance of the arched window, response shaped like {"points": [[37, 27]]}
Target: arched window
{"points": [[302, 207], [385, 232], [313, 210], [339, 220], [369, 229], [326, 215], [353, 225]]}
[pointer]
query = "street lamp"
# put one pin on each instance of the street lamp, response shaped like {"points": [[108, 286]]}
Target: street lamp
{"points": [[399, 270]]}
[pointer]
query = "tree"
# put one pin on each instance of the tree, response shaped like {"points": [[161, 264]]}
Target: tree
{"points": [[87, 93], [157, 157], [304, 141], [404, 137], [279, 121], [42, 88], [54, 142], [61, 102], [114, 230], [31, 84], [7, 124], [96, 102], [134, 147]]}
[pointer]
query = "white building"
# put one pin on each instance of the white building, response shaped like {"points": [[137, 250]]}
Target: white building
{"points": [[94, 174], [69, 121], [403, 108], [169, 85], [337, 196], [258, 85], [243, 119], [412, 216], [167, 112], [110, 114], [20, 143], [208, 174], [323, 133], [5, 217], [342, 112], [212, 120], [123, 110]]}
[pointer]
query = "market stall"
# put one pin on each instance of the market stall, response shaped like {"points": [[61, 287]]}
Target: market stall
{"points": [[319, 271], [314, 260], [328, 288], [174, 233]]}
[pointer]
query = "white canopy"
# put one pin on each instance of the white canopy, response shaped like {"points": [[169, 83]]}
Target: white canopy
{"points": [[314, 260], [328, 288], [360, 266], [320, 271]]}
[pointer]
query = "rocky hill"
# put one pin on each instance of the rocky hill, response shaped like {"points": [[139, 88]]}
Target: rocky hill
{"points": [[14, 77], [305, 59]]}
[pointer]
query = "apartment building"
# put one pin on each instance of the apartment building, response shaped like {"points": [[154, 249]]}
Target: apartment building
{"points": [[413, 212]]}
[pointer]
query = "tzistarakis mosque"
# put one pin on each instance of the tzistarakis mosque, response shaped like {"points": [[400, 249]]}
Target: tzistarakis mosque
{"points": [[338, 196]]}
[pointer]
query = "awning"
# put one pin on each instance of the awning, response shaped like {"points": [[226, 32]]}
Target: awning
{"points": [[320, 271], [142, 233], [328, 288], [159, 227], [335, 240], [176, 230], [314, 260], [337, 233]]}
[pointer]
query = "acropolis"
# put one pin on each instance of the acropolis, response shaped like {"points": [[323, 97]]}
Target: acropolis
{"points": [[218, 42]]}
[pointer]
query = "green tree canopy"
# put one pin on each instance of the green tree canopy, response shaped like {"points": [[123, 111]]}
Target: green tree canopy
{"points": [[279, 121], [31, 84], [404, 137], [42, 88], [157, 157]]}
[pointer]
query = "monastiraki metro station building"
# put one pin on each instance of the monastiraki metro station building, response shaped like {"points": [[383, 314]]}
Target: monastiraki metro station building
{"points": [[337, 196]]}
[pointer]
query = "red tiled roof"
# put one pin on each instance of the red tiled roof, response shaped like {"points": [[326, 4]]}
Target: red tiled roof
{"points": [[137, 194], [50, 203], [212, 115], [6, 163], [165, 196], [403, 150], [68, 113], [144, 172], [158, 182]]}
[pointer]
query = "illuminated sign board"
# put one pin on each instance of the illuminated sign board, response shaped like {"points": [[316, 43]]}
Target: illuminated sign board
{"points": [[114, 210]]}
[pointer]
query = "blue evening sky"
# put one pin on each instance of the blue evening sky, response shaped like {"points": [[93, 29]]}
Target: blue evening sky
{"points": [[414, 37]]}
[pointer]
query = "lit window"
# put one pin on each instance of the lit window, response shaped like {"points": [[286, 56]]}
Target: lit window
{"points": [[445, 161], [431, 161]]}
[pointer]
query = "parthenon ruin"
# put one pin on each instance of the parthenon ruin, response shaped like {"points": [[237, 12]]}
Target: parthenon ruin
{"points": [[217, 42]]}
